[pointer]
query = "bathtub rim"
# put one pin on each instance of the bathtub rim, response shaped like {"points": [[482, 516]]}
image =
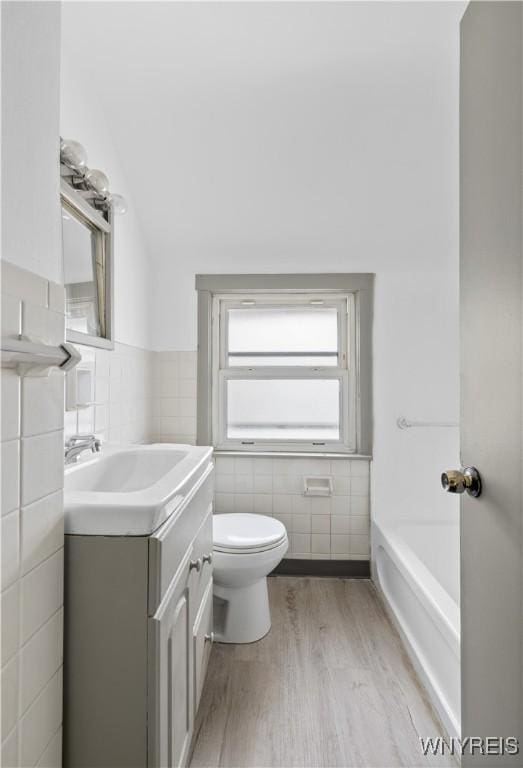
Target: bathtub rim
{"points": [[439, 701], [442, 607]]}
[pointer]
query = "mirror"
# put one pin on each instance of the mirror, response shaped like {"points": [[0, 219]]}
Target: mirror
{"points": [[86, 243]]}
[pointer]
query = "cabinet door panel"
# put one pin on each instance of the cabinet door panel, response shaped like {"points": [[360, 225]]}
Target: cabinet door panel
{"points": [[170, 679], [202, 633], [178, 677]]}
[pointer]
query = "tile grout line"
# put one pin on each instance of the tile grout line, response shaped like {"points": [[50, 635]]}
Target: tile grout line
{"points": [[42, 562], [42, 626], [50, 740], [26, 712], [20, 487]]}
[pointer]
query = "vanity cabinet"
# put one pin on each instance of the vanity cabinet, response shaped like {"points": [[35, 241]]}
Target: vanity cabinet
{"points": [[180, 648], [138, 634]]}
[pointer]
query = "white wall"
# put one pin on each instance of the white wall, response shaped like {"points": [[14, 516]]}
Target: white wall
{"points": [[348, 172], [30, 137], [82, 118], [296, 138], [32, 408]]}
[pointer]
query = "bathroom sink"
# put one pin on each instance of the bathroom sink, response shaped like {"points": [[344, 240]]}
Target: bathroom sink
{"points": [[130, 490]]}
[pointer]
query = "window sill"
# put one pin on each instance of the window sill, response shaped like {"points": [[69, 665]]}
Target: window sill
{"points": [[293, 455]]}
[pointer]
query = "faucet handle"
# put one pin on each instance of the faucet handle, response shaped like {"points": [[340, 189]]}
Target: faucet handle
{"points": [[95, 441], [80, 437]]}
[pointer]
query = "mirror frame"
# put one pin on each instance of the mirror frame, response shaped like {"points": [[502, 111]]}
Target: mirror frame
{"points": [[85, 212]]}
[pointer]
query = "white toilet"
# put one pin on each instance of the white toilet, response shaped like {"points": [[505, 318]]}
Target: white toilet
{"points": [[245, 549]]}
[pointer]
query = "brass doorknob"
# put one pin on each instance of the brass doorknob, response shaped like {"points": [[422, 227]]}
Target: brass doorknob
{"points": [[468, 479]]}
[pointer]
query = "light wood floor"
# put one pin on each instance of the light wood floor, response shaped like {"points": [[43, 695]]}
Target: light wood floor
{"points": [[330, 685]]}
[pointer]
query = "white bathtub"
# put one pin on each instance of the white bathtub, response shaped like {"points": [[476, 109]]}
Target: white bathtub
{"points": [[416, 567]]}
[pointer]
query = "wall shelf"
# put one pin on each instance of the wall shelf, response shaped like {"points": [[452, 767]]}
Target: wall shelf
{"points": [[33, 358]]}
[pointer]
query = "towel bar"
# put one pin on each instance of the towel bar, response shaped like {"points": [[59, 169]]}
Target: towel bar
{"points": [[404, 423], [33, 358]]}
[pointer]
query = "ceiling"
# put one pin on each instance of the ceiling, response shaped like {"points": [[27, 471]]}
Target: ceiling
{"points": [[243, 122]]}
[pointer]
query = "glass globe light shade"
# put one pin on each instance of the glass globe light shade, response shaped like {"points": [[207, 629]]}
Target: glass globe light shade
{"points": [[97, 180], [119, 204], [73, 154]]}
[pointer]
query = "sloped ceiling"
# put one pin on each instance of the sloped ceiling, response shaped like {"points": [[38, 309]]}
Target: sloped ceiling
{"points": [[251, 125]]}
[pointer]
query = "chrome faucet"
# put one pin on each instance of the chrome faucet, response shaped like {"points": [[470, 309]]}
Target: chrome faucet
{"points": [[77, 444]]}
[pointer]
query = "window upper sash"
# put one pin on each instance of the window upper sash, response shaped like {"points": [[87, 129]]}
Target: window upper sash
{"points": [[245, 343]]}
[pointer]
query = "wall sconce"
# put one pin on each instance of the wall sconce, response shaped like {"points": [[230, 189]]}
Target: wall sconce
{"points": [[91, 180], [119, 204], [73, 154], [97, 180]]}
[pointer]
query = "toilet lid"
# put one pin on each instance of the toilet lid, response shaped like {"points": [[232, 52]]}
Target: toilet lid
{"points": [[241, 532]]}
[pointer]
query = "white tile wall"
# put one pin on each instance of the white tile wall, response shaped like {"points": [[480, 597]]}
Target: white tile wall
{"points": [[43, 717], [10, 749], [42, 530], [42, 592], [42, 465], [53, 754], [50, 390], [10, 455], [10, 405], [10, 609], [174, 397], [335, 527], [32, 530], [41, 654], [121, 410]]}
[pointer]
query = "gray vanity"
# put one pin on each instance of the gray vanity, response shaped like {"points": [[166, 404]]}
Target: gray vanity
{"points": [[138, 605]]}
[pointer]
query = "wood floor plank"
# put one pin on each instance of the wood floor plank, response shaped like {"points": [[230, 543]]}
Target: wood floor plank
{"points": [[329, 687], [391, 664]]}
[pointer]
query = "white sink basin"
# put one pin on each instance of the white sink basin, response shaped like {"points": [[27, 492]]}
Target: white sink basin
{"points": [[130, 490]]}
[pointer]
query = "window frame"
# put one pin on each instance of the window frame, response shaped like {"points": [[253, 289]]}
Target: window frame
{"points": [[361, 285], [346, 374]]}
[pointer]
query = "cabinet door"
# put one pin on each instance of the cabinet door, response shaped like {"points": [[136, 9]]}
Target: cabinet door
{"points": [[202, 634], [202, 549], [171, 707]]}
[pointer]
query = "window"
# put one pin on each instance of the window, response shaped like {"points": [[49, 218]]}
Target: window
{"points": [[284, 362], [280, 372]]}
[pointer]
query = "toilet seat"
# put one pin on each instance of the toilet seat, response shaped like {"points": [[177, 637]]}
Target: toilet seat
{"points": [[240, 534]]}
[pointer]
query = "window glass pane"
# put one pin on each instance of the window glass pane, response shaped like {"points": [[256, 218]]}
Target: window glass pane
{"points": [[286, 336], [80, 245], [283, 409]]}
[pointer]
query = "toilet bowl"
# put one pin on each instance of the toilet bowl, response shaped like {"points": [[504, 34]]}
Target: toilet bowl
{"points": [[246, 548]]}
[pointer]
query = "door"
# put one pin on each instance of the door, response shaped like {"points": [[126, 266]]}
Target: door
{"points": [[490, 292], [202, 639], [170, 662]]}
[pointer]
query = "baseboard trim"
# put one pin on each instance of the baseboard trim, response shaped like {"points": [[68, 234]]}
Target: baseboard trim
{"points": [[345, 569]]}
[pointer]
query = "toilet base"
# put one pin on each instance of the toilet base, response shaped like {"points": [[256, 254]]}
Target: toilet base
{"points": [[242, 614]]}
